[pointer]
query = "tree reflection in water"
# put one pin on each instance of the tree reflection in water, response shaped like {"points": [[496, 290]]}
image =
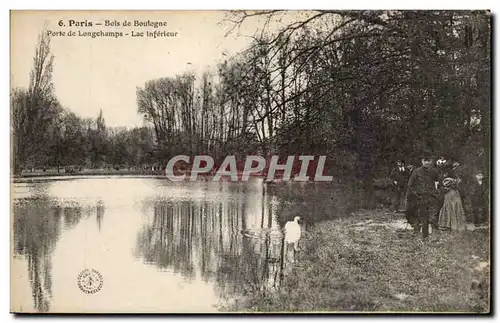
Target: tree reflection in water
{"points": [[204, 240], [100, 209], [38, 223]]}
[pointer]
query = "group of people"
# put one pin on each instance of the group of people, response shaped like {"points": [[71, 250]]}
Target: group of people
{"points": [[435, 194]]}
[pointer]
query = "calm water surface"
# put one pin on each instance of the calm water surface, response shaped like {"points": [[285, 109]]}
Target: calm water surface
{"points": [[160, 246]]}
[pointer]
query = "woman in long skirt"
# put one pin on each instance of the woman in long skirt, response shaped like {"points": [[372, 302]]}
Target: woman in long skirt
{"points": [[452, 214]]}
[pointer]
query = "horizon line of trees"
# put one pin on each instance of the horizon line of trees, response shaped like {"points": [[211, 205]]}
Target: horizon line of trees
{"points": [[363, 87]]}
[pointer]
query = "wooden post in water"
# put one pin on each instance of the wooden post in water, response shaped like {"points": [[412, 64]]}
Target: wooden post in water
{"points": [[282, 260], [262, 208]]}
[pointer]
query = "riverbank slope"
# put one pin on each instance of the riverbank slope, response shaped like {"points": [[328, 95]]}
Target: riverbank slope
{"points": [[363, 263]]}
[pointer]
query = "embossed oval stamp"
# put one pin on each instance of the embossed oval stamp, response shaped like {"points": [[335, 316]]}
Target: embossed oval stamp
{"points": [[90, 281]]}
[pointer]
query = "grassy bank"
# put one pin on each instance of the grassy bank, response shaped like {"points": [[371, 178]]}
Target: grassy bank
{"points": [[348, 266]]}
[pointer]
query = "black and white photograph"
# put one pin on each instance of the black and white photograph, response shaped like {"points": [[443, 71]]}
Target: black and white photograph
{"points": [[250, 161]]}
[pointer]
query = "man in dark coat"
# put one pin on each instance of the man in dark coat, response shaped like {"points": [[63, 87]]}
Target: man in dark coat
{"points": [[442, 166], [423, 190], [479, 197], [458, 172], [411, 208], [399, 177]]}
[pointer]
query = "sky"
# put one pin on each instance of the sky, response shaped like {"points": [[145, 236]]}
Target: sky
{"points": [[103, 73]]}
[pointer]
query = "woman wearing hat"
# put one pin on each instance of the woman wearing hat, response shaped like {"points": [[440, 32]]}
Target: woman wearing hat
{"points": [[452, 214]]}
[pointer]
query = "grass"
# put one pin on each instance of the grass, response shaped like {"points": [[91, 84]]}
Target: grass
{"points": [[348, 267]]}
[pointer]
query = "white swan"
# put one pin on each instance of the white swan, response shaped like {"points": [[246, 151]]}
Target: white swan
{"points": [[293, 232]]}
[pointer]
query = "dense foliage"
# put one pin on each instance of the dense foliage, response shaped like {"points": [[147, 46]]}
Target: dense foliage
{"points": [[364, 88]]}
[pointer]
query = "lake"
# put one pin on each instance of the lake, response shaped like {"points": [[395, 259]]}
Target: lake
{"points": [[159, 246]]}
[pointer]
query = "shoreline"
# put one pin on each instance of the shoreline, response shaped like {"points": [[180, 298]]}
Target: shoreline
{"points": [[134, 172], [145, 174], [85, 173]]}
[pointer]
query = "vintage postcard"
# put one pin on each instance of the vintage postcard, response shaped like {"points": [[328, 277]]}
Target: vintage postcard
{"points": [[250, 161]]}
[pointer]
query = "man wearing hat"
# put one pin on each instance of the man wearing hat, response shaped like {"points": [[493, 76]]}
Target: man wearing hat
{"points": [[399, 177], [423, 190], [479, 196]]}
